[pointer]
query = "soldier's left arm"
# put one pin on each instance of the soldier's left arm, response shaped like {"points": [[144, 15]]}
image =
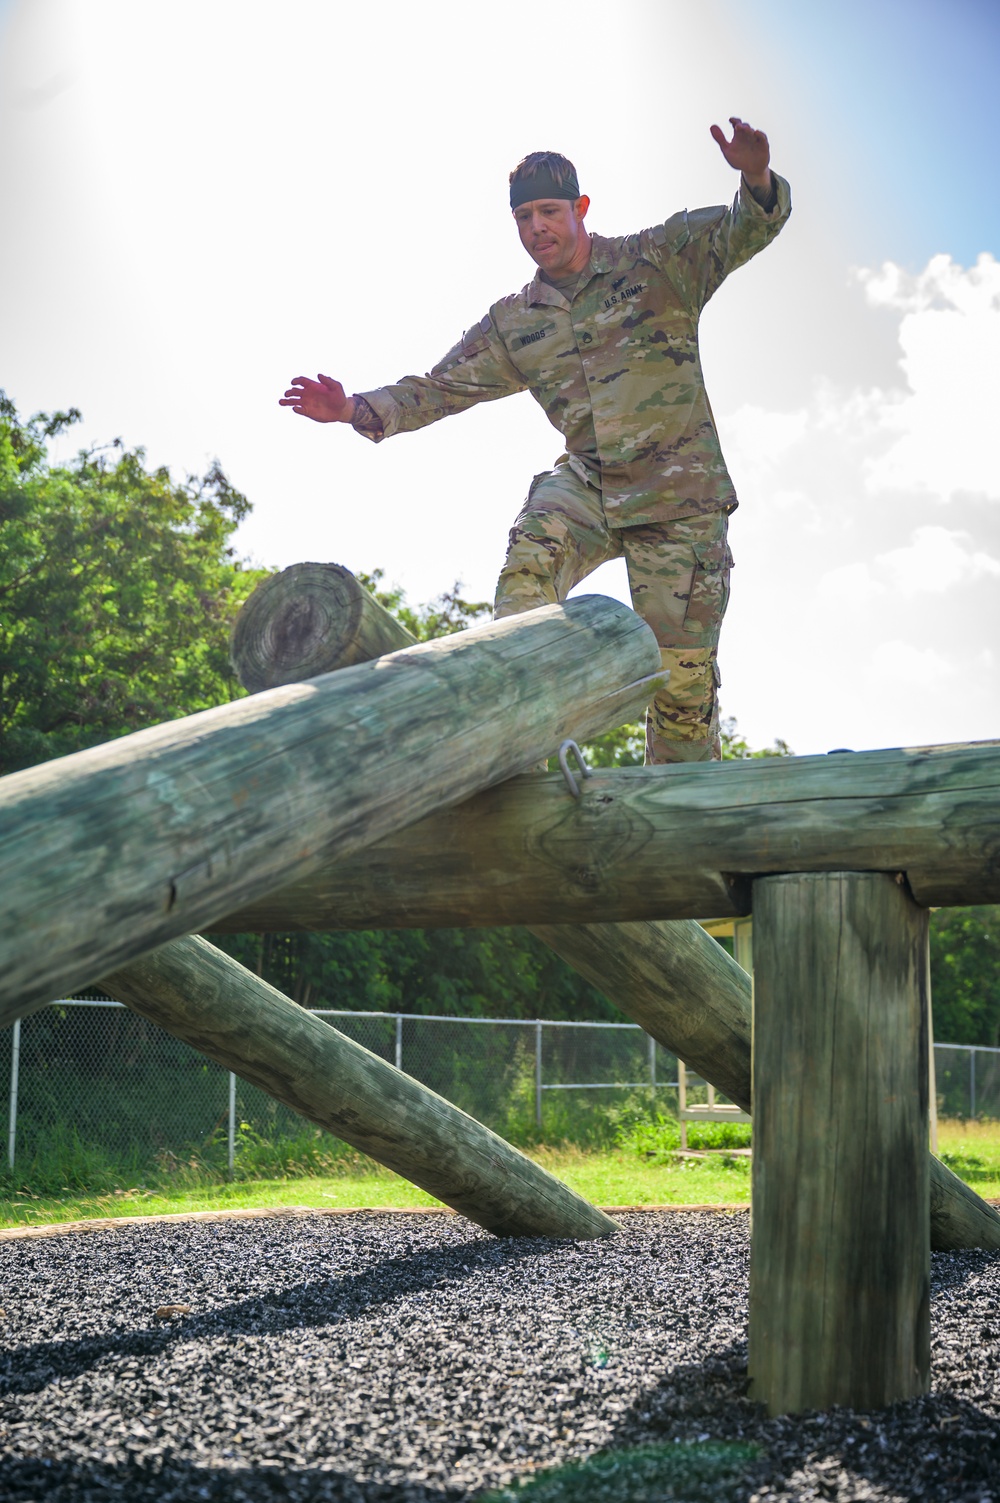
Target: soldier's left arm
{"points": [[699, 249]]}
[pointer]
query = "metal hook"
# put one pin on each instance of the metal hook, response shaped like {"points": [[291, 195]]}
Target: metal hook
{"points": [[571, 783]]}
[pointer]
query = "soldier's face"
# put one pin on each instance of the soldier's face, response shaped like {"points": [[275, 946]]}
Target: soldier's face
{"points": [[552, 232]]}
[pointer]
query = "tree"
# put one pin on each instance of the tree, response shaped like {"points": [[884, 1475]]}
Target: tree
{"points": [[625, 746], [448, 613], [965, 975], [117, 587]]}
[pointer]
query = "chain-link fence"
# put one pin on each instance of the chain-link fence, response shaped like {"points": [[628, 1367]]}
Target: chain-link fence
{"points": [[968, 1080], [90, 1078]]}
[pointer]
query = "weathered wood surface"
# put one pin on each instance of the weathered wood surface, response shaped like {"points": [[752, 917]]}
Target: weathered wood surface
{"points": [[642, 842], [108, 853], [839, 1257], [470, 865], [684, 990], [667, 842], [202, 996], [307, 620]]}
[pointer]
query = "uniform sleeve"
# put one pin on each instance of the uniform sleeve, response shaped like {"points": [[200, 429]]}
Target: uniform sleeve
{"points": [[698, 250], [477, 369]]}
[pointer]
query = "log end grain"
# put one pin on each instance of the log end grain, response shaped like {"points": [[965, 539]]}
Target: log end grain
{"points": [[309, 619]]}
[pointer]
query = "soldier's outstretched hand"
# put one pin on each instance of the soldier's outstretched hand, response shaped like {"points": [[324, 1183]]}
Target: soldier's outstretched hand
{"points": [[323, 400], [748, 151]]}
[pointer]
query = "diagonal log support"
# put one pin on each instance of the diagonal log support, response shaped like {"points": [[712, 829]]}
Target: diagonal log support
{"points": [[202, 996]]}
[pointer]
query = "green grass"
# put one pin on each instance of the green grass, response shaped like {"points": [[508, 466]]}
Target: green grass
{"points": [[316, 1171], [972, 1151], [606, 1177]]}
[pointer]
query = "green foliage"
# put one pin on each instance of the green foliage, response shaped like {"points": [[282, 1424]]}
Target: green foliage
{"points": [[735, 748], [625, 746], [442, 617], [462, 972], [659, 1137], [117, 587], [965, 975]]}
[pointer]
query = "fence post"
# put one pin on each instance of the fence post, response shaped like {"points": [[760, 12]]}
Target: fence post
{"points": [[232, 1121], [972, 1081], [652, 1062], [399, 1041], [538, 1072], [15, 1068]]}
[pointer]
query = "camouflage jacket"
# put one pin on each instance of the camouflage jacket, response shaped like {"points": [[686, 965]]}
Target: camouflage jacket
{"points": [[624, 353]]}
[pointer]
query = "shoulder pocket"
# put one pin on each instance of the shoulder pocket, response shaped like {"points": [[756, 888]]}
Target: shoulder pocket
{"points": [[672, 235], [473, 342]]}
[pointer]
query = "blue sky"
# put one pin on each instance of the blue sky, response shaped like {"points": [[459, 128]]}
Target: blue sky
{"points": [[209, 198], [907, 90]]}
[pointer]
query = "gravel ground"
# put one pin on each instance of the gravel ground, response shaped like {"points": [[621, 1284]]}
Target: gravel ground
{"points": [[392, 1358]]}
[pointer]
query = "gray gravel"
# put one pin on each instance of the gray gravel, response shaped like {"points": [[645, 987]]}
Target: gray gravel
{"points": [[414, 1358]]}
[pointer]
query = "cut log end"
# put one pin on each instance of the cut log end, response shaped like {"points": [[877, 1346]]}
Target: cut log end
{"points": [[307, 620]]}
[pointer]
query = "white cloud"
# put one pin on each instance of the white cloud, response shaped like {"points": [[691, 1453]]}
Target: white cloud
{"points": [[936, 560], [857, 617], [943, 431], [849, 585]]}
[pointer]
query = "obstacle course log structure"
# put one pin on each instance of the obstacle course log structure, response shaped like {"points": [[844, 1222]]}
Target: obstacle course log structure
{"points": [[640, 842], [110, 852], [200, 995], [671, 978], [678, 984], [839, 1261], [666, 842]]}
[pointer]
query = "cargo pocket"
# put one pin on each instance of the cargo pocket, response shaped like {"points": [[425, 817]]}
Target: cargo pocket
{"points": [[709, 594]]}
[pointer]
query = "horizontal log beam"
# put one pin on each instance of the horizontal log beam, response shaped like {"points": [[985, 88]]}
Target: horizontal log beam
{"points": [[108, 853], [202, 996], [666, 842]]}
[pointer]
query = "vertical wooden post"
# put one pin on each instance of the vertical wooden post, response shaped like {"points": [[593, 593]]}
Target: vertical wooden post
{"points": [[839, 1268]]}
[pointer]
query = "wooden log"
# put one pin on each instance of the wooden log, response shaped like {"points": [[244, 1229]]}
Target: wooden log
{"points": [[641, 842], [108, 853], [681, 987], [475, 865], [666, 842], [839, 1261], [307, 620], [202, 996]]}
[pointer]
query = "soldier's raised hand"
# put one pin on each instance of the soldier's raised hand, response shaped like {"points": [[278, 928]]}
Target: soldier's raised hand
{"points": [[324, 400], [748, 151]]}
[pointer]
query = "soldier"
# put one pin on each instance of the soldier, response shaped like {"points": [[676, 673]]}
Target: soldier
{"points": [[606, 338]]}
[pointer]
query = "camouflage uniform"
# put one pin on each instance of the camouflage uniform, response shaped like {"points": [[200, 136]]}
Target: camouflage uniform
{"points": [[617, 371]]}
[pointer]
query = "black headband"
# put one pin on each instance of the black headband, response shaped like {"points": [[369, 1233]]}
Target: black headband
{"points": [[524, 190]]}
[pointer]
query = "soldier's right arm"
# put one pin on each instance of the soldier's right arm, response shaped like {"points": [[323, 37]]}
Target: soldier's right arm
{"points": [[476, 369]]}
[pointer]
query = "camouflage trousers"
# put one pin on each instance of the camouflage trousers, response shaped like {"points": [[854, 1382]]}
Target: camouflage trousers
{"points": [[679, 578]]}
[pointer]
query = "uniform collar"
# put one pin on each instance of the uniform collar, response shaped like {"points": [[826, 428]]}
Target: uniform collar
{"points": [[601, 260]]}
